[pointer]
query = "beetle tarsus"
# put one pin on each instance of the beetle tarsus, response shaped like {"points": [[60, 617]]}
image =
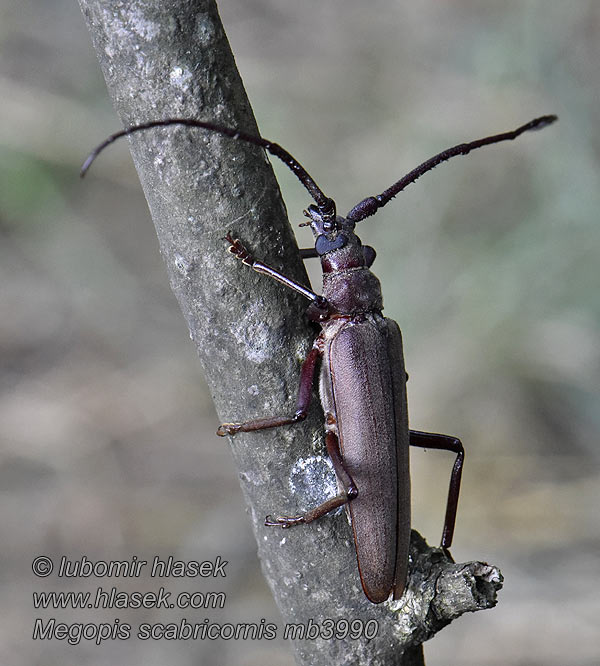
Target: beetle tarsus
{"points": [[284, 522], [228, 429], [239, 251]]}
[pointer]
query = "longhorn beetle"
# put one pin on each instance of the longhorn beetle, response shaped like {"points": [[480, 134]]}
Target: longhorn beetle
{"points": [[362, 376]]}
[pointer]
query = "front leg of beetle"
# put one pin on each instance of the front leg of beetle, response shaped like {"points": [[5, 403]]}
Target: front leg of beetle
{"points": [[308, 366], [240, 252]]}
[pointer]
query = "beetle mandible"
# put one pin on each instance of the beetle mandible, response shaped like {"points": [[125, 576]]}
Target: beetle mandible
{"points": [[362, 376]]}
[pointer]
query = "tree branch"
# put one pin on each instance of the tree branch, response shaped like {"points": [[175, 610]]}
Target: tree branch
{"points": [[172, 59]]}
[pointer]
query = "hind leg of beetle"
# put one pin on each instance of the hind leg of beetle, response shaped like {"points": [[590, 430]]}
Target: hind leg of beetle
{"points": [[307, 374], [349, 492], [430, 440]]}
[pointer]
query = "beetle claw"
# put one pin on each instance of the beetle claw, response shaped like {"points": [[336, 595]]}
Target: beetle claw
{"points": [[284, 521], [238, 250], [228, 429]]}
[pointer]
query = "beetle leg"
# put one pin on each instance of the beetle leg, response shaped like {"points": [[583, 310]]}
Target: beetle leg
{"points": [[307, 374], [430, 440], [349, 492], [240, 252], [308, 253]]}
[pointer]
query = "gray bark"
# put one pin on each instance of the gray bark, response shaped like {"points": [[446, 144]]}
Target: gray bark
{"points": [[172, 59]]}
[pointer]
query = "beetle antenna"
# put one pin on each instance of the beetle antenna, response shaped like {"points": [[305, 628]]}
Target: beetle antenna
{"points": [[325, 204], [371, 205]]}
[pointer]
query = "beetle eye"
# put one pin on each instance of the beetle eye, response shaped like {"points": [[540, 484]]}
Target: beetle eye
{"points": [[323, 245]]}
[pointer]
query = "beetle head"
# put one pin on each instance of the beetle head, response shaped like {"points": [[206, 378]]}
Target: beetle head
{"points": [[331, 231]]}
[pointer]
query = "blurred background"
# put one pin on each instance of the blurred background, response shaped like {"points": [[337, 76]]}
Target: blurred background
{"points": [[489, 265]]}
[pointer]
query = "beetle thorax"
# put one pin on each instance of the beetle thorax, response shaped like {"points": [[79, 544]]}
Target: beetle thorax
{"points": [[352, 291], [348, 284]]}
